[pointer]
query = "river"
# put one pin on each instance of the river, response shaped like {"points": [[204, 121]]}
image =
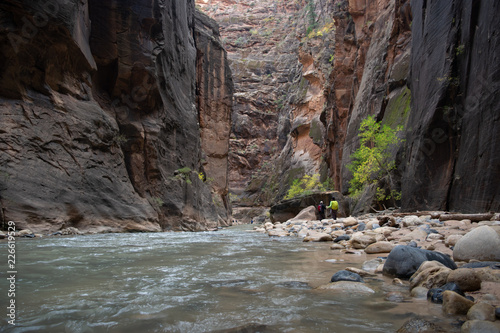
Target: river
{"points": [[192, 282]]}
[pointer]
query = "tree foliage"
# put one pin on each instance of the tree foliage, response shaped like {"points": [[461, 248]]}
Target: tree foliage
{"points": [[308, 185], [372, 160]]}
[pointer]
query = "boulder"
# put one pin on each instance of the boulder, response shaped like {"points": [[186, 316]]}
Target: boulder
{"points": [[455, 304], [350, 221], [348, 287], [379, 247], [307, 214], [277, 233], [361, 240], [386, 231], [25, 233], [480, 326], [482, 243], [481, 311], [430, 274], [452, 240], [403, 261], [467, 279], [314, 236], [345, 275], [410, 221], [419, 233]]}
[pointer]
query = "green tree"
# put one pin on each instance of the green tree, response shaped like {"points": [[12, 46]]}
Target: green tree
{"points": [[307, 185], [372, 161]]}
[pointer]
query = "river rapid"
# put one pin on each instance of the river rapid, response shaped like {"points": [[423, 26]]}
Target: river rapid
{"points": [[192, 282]]}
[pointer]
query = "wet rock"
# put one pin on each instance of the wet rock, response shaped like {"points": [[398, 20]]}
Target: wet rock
{"points": [[481, 311], [361, 226], [419, 292], [467, 279], [497, 312], [455, 304], [348, 287], [403, 261], [372, 265], [418, 325], [379, 247], [336, 246], [313, 236], [429, 275], [360, 272], [277, 233], [395, 297], [480, 326], [482, 243], [25, 233], [435, 295], [345, 275]]}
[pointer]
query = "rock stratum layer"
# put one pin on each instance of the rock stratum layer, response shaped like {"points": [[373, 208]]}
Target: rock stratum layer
{"points": [[108, 116]]}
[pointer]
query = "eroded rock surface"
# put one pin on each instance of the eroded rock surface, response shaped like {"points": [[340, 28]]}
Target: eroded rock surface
{"points": [[100, 125]]}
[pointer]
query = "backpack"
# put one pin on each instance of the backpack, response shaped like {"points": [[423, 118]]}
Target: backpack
{"points": [[319, 208], [335, 205]]}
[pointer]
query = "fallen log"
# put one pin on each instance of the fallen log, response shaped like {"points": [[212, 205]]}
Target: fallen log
{"points": [[472, 217]]}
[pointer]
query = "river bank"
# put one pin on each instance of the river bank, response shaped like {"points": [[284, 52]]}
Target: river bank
{"points": [[425, 255]]}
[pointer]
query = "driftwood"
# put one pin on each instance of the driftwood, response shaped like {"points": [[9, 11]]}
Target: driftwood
{"points": [[472, 217], [433, 214]]}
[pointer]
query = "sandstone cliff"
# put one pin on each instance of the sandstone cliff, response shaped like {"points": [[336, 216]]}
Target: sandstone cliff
{"points": [[101, 130], [426, 65]]}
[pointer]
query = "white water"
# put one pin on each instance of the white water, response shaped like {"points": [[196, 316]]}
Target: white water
{"points": [[190, 282]]}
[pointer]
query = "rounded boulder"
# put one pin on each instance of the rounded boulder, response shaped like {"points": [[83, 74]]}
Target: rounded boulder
{"points": [[482, 243], [403, 261]]}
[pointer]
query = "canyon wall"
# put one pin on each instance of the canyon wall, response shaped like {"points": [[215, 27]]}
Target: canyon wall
{"points": [[101, 130], [429, 66], [452, 152], [280, 55]]}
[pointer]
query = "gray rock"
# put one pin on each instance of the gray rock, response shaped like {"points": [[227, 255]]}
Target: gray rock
{"points": [[403, 261], [345, 275], [482, 243]]}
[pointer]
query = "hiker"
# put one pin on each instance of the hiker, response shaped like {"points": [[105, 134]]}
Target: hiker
{"points": [[334, 206], [321, 210]]}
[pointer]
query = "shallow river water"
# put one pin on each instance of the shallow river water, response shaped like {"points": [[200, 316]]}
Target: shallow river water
{"points": [[191, 282]]}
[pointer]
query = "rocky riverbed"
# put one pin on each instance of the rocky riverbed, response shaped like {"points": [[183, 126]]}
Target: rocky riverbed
{"points": [[450, 259]]}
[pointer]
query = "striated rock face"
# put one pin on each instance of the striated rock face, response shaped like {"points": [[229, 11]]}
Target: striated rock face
{"points": [[100, 125], [452, 145], [214, 100]]}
